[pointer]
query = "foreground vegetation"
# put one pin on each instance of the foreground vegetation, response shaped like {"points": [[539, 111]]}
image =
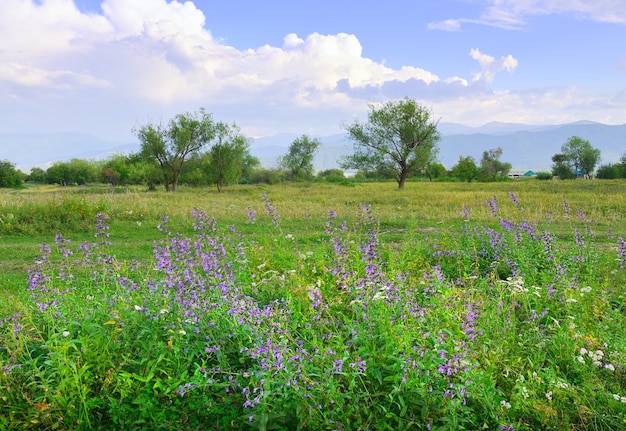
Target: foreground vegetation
{"points": [[441, 306]]}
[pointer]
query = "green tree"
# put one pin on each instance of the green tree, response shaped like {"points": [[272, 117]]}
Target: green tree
{"points": [[37, 176], [299, 158], [145, 172], [609, 172], [399, 137], [434, 170], [76, 171], [9, 176], [185, 135], [81, 171], [622, 166], [581, 155], [562, 167], [250, 164], [59, 173], [492, 168], [465, 169], [116, 169], [227, 155]]}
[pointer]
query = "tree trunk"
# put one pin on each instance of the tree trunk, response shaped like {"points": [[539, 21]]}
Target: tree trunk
{"points": [[403, 174], [175, 176]]}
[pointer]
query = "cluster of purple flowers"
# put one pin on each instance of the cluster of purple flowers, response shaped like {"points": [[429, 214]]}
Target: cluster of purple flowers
{"points": [[255, 333]]}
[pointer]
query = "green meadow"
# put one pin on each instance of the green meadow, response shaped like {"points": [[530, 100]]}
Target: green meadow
{"points": [[356, 306]]}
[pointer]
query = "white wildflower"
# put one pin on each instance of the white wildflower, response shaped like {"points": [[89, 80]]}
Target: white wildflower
{"points": [[507, 405], [182, 332], [618, 397], [138, 307], [525, 393], [66, 333], [549, 396], [561, 385], [586, 289]]}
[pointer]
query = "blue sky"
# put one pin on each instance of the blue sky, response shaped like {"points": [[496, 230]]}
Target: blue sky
{"points": [[104, 67]]}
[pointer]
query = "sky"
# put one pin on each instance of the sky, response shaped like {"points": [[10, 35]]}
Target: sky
{"points": [[306, 67]]}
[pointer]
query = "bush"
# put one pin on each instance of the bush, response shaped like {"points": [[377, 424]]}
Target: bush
{"points": [[608, 172], [544, 176], [9, 176], [267, 176], [331, 173]]}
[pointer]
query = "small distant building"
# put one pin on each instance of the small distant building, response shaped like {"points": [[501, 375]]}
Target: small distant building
{"points": [[516, 173], [523, 173]]}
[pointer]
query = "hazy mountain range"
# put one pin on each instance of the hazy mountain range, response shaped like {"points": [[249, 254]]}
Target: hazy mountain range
{"points": [[524, 146]]}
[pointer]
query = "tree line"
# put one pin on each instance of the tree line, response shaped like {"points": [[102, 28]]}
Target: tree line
{"points": [[397, 141]]}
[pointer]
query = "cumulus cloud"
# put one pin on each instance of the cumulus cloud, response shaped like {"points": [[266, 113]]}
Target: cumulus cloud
{"points": [[141, 60], [161, 51], [490, 66]]}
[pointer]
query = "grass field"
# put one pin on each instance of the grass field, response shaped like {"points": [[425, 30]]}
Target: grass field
{"points": [[315, 306]]}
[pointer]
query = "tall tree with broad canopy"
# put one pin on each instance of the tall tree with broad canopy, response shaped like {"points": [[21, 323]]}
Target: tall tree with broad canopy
{"points": [[299, 158], [492, 168], [465, 169], [399, 137], [228, 155], [562, 167], [581, 155], [185, 135]]}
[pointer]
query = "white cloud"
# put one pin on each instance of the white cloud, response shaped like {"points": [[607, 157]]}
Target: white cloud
{"points": [[490, 66], [446, 25], [512, 14], [540, 106], [292, 41], [612, 11], [34, 77], [161, 51], [29, 30], [145, 60]]}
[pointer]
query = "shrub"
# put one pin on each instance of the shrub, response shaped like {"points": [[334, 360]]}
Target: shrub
{"points": [[267, 176], [544, 176], [608, 172], [9, 176]]}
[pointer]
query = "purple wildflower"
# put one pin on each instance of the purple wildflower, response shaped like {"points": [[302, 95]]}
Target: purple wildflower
{"points": [[621, 250]]}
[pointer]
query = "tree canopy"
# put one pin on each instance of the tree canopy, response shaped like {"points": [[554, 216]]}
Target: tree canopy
{"points": [[582, 156], [299, 158], [492, 168], [9, 176], [577, 157], [399, 138], [466, 169], [170, 146], [227, 155]]}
